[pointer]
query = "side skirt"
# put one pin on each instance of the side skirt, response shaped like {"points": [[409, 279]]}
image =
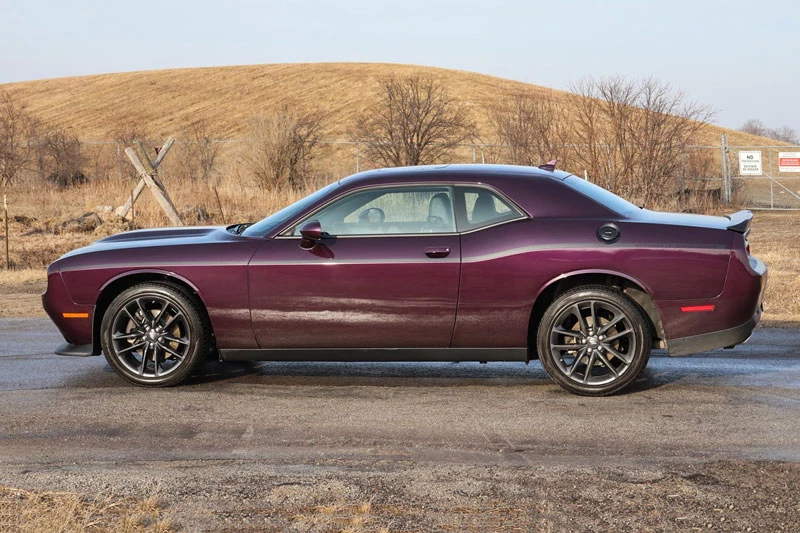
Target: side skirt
{"points": [[378, 354]]}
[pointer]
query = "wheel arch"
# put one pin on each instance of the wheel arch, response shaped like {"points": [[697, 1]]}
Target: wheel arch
{"points": [[633, 288], [119, 283]]}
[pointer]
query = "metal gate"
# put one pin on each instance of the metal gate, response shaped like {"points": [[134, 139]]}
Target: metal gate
{"points": [[755, 177]]}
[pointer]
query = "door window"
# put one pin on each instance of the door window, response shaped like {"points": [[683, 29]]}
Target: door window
{"points": [[389, 211]]}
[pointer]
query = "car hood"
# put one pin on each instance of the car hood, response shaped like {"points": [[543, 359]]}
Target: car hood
{"points": [[149, 238]]}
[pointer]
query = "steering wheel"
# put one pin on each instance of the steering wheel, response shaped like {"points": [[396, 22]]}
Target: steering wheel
{"points": [[372, 215]]}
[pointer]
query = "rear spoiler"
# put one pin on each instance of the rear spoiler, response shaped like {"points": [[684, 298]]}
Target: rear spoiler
{"points": [[740, 221]]}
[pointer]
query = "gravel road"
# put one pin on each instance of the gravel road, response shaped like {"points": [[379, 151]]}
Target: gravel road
{"points": [[710, 441]]}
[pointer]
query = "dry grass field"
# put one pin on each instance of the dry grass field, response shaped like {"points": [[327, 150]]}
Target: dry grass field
{"points": [[167, 101], [774, 239], [25, 511]]}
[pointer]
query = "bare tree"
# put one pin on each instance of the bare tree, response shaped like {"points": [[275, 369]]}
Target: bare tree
{"points": [[588, 132], [61, 154], [754, 127], [280, 146], [18, 136], [529, 128], [641, 127], [783, 134], [414, 122]]}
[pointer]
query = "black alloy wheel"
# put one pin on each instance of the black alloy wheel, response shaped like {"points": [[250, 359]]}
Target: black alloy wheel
{"points": [[594, 340], [154, 335]]}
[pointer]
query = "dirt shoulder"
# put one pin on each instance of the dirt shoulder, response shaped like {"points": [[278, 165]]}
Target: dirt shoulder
{"points": [[400, 494], [21, 293]]}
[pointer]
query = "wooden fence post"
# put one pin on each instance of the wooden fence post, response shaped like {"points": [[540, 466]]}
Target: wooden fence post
{"points": [[8, 237], [147, 171]]}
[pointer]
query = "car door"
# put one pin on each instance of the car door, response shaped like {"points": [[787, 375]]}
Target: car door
{"points": [[385, 274]]}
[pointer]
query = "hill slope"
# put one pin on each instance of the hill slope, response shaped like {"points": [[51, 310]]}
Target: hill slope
{"points": [[166, 101]]}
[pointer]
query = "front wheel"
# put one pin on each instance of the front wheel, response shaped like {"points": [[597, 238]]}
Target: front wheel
{"points": [[154, 335], [593, 341]]}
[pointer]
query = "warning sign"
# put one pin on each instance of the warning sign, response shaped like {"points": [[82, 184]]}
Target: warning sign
{"points": [[789, 161], [750, 163]]}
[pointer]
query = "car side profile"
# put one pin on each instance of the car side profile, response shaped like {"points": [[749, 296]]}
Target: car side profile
{"points": [[438, 263]]}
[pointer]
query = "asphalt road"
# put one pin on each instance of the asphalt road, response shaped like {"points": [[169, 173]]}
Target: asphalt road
{"points": [[71, 424]]}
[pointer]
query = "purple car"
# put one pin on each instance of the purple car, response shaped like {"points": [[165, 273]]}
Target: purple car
{"points": [[442, 263]]}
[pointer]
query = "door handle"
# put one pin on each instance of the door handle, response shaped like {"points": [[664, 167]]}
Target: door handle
{"points": [[437, 253]]}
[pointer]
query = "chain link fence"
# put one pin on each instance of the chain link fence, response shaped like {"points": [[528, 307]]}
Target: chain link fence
{"points": [[749, 176]]}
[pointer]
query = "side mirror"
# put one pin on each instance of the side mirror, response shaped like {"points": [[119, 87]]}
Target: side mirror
{"points": [[312, 233]]}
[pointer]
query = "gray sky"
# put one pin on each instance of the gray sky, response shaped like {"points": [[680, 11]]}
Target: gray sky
{"points": [[740, 57]]}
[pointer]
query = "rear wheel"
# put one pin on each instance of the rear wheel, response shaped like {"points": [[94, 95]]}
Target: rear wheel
{"points": [[154, 335], [593, 341]]}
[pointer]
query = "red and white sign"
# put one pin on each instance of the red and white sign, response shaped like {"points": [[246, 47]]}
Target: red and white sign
{"points": [[789, 161]]}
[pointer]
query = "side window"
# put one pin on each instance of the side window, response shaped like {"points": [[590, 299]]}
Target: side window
{"points": [[389, 210], [485, 208]]}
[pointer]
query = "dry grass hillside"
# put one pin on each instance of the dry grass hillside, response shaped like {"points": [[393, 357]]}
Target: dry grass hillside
{"points": [[226, 97]]}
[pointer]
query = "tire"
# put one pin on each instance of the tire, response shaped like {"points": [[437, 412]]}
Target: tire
{"points": [[155, 335], [586, 360]]}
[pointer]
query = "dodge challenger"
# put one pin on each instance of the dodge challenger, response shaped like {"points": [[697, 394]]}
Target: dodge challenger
{"points": [[440, 263]]}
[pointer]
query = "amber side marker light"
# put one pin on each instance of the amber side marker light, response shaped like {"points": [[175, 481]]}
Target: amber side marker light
{"points": [[696, 308], [75, 315]]}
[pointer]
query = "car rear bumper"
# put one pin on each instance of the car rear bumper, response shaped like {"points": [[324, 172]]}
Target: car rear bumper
{"points": [[727, 338]]}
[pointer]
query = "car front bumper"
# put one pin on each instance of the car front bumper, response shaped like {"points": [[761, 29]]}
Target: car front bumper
{"points": [[74, 321]]}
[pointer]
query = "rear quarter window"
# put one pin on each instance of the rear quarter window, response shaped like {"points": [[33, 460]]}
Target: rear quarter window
{"points": [[484, 207]]}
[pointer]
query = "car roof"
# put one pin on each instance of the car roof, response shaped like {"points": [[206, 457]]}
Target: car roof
{"points": [[464, 172]]}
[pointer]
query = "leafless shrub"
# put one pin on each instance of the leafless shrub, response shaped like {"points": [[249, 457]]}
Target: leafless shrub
{"points": [[754, 127], [529, 128], [280, 146], [129, 132], [414, 122], [631, 134], [702, 164], [18, 135], [60, 158], [198, 153], [783, 134], [124, 136]]}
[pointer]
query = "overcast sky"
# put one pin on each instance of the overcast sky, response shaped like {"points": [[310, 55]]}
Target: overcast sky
{"points": [[742, 58]]}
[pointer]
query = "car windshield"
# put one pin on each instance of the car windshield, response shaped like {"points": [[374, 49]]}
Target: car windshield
{"points": [[277, 220], [601, 195]]}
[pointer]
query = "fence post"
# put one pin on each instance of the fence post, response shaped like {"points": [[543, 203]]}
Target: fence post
{"points": [[726, 196], [208, 161], [119, 163], [8, 237], [683, 179], [771, 183]]}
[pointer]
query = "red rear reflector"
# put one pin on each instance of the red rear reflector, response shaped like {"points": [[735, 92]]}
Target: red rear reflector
{"points": [[696, 308], [75, 315]]}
